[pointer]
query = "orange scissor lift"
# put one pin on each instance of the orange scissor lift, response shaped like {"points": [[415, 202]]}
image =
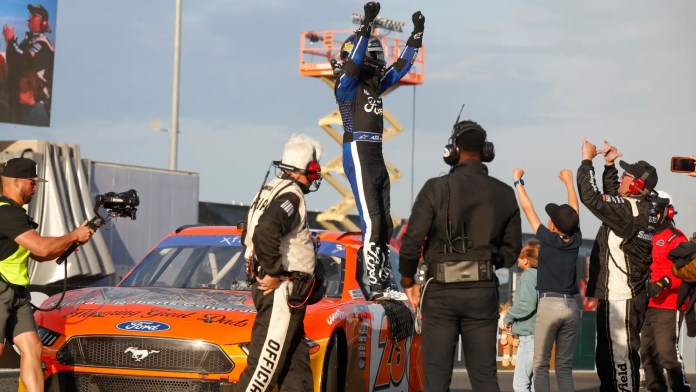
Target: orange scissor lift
{"points": [[317, 48]]}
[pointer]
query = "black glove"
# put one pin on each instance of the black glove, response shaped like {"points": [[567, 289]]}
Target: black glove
{"points": [[655, 288], [416, 38], [371, 11]]}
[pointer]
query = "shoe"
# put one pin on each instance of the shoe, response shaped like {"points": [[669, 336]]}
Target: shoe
{"points": [[375, 292]]}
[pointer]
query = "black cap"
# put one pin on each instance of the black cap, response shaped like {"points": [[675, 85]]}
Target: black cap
{"points": [[21, 168], [642, 170], [564, 217], [38, 9]]}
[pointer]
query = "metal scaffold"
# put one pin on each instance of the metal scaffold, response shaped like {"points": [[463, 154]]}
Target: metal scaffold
{"points": [[317, 48]]}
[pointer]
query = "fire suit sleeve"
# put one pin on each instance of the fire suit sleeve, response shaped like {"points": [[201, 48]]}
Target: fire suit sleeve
{"points": [[613, 211], [610, 180], [399, 68], [419, 224], [347, 83], [279, 219]]}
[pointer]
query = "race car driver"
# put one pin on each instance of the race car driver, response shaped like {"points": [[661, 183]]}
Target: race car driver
{"points": [[281, 252], [362, 78]]}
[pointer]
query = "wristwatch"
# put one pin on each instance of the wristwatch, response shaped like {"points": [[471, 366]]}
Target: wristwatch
{"points": [[407, 283], [520, 181]]}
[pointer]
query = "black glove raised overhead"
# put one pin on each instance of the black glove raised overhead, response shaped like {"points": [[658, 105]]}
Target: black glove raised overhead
{"points": [[655, 288], [416, 38], [371, 12]]}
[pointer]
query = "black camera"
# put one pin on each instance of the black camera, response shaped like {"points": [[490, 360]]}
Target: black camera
{"points": [[119, 204]]}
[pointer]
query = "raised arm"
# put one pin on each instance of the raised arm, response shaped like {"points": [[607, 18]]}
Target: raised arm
{"points": [[566, 177], [408, 55], [525, 202], [348, 80]]}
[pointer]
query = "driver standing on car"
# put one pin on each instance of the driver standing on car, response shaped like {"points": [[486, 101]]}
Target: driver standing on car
{"points": [[281, 255], [18, 241]]}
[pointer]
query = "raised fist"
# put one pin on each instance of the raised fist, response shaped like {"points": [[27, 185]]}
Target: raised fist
{"points": [[371, 11], [418, 22]]}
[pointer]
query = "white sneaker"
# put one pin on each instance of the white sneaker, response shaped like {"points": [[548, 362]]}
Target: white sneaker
{"points": [[390, 293]]}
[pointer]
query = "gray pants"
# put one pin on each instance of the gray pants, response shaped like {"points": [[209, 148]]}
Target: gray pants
{"points": [[558, 321]]}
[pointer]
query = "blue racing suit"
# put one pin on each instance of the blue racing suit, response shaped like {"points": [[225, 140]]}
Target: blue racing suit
{"points": [[360, 103]]}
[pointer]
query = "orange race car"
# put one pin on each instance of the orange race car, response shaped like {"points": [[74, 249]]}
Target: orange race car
{"points": [[181, 321]]}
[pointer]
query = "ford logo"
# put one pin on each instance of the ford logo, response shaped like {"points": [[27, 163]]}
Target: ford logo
{"points": [[143, 326]]}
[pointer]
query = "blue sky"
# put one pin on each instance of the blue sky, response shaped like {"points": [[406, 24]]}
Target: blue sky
{"points": [[535, 74]]}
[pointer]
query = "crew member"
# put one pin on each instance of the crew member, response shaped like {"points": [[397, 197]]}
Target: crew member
{"points": [[362, 78], [19, 240], [659, 338], [466, 224], [35, 54], [619, 262], [281, 252]]}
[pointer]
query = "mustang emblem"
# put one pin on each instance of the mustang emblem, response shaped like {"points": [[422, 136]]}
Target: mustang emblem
{"points": [[139, 355]]}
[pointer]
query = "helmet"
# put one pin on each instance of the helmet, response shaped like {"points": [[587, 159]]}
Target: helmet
{"points": [[374, 55]]}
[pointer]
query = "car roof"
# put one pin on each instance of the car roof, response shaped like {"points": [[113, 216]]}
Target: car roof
{"points": [[347, 238]]}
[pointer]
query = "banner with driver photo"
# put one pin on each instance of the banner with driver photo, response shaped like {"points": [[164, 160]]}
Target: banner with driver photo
{"points": [[27, 53]]}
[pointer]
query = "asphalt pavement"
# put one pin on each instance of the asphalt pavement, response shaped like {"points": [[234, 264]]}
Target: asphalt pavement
{"points": [[585, 381]]}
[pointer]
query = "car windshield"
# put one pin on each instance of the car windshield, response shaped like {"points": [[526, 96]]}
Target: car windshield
{"points": [[216, 262]]}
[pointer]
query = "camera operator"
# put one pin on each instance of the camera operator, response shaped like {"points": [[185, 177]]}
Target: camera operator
{"points": [[619, 262], [19, 240], [466, 223], [281, 252], [659, 337]]}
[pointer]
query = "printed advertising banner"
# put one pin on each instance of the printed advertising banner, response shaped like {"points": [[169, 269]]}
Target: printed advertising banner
{"points": [[27, 52]]}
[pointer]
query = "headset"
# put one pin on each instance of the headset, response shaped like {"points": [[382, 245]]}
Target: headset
{"points": [[637, 186], [44, 25], [451, 152], [312, 170]]}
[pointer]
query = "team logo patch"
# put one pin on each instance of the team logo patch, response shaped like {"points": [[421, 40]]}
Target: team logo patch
{"points": [[348, 46], [660, 243]]}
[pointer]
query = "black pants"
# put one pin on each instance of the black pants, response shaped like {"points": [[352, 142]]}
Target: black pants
{"points": [[618, 343], [659, 351], [471, 313], [278, 353]]}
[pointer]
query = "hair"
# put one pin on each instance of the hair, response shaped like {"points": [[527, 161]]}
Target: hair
{"points": [[300, 150], [472, 141], [530, 251], [29, 82]]}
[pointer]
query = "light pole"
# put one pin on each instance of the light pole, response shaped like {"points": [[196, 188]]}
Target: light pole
{"points": [[174, 128]]}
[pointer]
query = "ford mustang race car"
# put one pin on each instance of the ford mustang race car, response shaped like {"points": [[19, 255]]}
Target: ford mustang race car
{"points": [[181, 320]]}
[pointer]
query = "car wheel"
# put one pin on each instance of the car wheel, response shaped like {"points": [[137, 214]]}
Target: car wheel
{"points": [[331, 380]]}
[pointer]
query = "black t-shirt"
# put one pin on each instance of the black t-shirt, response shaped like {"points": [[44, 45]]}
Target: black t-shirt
{"points": [[557, 270], [14, 221]]}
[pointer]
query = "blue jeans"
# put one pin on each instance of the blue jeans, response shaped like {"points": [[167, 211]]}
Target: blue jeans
{"points": [[522, 380], [557, 321]]}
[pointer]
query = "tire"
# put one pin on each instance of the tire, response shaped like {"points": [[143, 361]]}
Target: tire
{"points": [[331, 380]]}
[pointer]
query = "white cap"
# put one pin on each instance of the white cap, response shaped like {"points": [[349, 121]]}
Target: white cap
{"points": [[664, 195], [300, 150]]}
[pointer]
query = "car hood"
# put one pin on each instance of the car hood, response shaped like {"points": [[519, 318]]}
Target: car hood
{"points": [[216, 315]]}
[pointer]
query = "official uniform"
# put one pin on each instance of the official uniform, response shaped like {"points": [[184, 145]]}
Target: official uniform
{"points": [[485, 219], [16, 314], [619, 272], [278, 237]]}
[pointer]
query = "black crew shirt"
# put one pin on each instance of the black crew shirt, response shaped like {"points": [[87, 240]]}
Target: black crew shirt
{"points": [[14, 221], [557, 270]]}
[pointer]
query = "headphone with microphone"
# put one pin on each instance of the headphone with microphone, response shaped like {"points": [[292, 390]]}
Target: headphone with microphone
{"points": [[637, 186], [451, 152]]}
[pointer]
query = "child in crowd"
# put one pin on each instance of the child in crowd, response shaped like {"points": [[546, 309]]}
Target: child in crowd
{"points": [[520, 319], [558, 318]]}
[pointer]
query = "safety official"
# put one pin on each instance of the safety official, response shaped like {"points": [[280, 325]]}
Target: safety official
{"points": [[467, 224], [282, 258], [19, 240], [619, 261]]}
